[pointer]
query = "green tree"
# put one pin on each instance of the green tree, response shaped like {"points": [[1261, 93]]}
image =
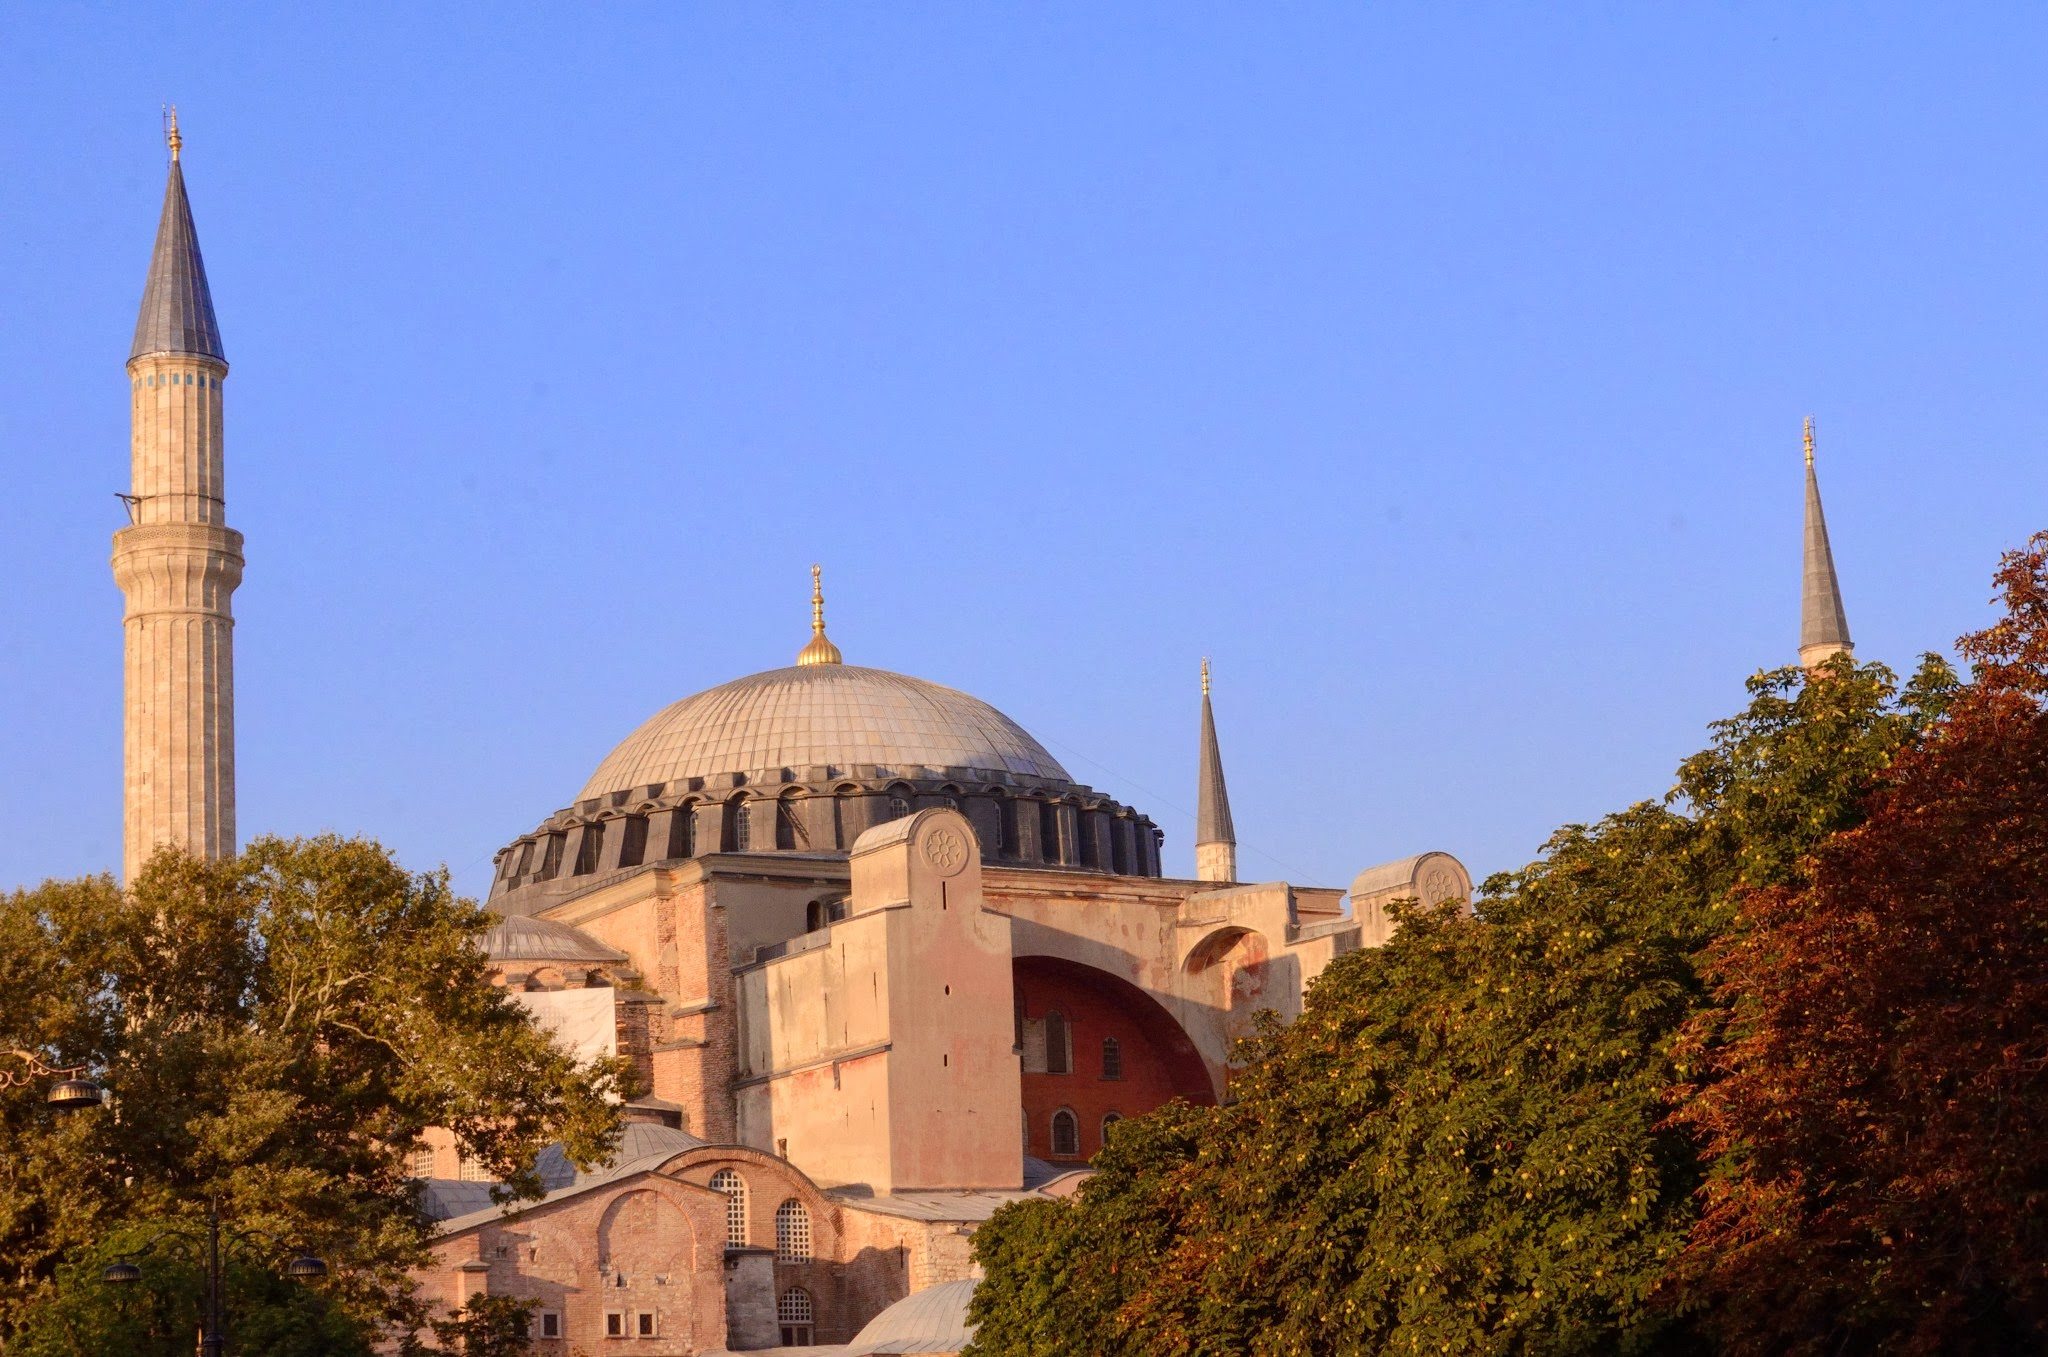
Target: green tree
{"points": [[275, 1030], [1459, 1146]]}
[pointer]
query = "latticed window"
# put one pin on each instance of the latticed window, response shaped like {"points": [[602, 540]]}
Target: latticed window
{"points": [[1057, 1052], [470, 1169], [735, 1189], [792, 1233], [420, 1163], [899, 802], [738, 832], [1112, 1059], [794, 1314], [1066, 1135]]}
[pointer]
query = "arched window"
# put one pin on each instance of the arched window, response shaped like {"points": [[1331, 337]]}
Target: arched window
{"points": [[1066, 1135], [792, 1233], [1048, 831], [1006, 826], [682, 831], [899, 801], [843, 819], [794, 1314], [735, 1189], [1109, 1119], [814, 916], [1059, 1052], [737, 835], [1084, 834], [1112, 1059], [788, 829], [1119, 857]]}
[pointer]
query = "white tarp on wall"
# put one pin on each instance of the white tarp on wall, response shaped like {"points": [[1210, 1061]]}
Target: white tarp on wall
{"points": [[584, 1020]]}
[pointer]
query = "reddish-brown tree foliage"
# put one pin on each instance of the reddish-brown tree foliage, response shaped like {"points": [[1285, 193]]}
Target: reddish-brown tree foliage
{"points": [[1872, 1089]]}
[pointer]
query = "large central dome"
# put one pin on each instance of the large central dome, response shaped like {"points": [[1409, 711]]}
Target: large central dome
{"points": [[812, 715]]}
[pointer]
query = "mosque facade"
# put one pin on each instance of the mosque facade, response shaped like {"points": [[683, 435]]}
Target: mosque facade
{"points": [[881, 963]]}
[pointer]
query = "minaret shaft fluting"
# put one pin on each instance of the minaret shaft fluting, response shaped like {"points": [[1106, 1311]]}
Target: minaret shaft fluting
{"points": [[177, 562]]}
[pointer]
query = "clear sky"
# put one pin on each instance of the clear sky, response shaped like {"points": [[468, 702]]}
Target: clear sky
{"points": [[1437, 369]]}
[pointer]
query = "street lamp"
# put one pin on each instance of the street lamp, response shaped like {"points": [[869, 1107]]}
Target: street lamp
{"points": [[213, 1320], [72, 1089]]}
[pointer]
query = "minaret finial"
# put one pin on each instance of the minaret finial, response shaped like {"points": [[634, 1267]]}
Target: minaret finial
{"points": [[171, 135], [820, 650], [1809, 440], [1205, 676]]}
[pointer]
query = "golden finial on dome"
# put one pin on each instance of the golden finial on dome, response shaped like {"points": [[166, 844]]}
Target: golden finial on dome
{"points": [[820, 650], [1809, 441]]}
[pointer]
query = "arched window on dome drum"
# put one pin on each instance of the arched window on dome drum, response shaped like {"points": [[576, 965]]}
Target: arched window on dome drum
{"points": [[1048, 831], [1084, 834], [738, 832], [1006, 826], [1119, 857], [682, 831], [1066, 1135], [789, 831], [1059, 1052], [1112, 1059], [792, 1233], [899, 801], [735, 1189], [795, 1316]]}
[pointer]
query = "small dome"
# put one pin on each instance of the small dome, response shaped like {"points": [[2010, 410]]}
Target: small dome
{"points": [[821, 715], [933, 1320], [642, 1145], [524, 938]]}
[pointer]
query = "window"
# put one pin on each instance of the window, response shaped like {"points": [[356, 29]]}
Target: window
{"points": [[643, 1325], [1119, 858], [1112, 1059], [1084, 831], [899, 802], [814, 916], [737, 834], [1109, 1119], [1058, 1054], [550, 1324], [614, 1324], [1006, 826], [793, 1312], [792, 1233], [735, 1189], [682, 832], [470, 1169], [789, 830], [1048, 831], [420, 1163], [1066, 1135]]}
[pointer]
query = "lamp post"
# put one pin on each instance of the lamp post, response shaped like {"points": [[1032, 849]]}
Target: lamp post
{"points": [[71, 1091], [213, 1318]]}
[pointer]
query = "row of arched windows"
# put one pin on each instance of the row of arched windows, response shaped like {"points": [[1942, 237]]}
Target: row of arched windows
{"points": [[1066, 1132], [792, 1220]]}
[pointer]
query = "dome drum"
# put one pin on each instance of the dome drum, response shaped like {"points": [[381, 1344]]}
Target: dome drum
{"points": [[1021, 822]]}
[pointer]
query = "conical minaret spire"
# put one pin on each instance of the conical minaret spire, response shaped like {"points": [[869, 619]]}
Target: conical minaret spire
{"points": [[1823, 626], [177, 562], [1215, 836]]}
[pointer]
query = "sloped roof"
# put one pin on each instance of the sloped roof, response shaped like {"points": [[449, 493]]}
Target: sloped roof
{"points": [[933, 1320], [643, 1147], [522, 937], [177, 306]]}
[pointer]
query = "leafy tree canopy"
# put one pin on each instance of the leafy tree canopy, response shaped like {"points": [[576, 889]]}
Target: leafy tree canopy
{"points": [[275, 1030], [1874, 1077], [1459, 1146]]}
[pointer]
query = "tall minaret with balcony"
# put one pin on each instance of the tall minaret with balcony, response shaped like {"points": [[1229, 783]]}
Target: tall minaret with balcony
{"points": [[177, 562]]}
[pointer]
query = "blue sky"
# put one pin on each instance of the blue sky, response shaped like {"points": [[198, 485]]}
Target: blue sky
{"points": [[1436, 369]]}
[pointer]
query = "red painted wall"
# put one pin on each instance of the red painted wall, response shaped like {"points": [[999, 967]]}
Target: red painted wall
{"points": [[1096, 1007]]}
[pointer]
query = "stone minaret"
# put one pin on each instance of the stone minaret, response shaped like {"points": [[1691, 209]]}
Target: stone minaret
{"points": [[177, 561], [1823, 626], [1215, 836]]}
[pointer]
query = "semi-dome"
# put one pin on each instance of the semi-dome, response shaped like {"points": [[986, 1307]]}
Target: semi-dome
{"points": [[821, 715]]}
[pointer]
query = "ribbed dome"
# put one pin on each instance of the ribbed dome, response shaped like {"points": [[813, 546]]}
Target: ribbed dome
{"points": [[831, 715]]}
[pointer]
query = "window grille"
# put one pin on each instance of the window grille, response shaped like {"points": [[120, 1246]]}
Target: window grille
{"points": [[792, 1233], [1112, 1059], [470, 1169], [1066, 1135], [793, 1312], [1058, 1054], [735, 1189]]}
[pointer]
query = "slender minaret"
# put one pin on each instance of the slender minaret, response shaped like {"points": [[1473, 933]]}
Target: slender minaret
{"points": [[1823, 626], [1215, 836], [177, 561]]}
